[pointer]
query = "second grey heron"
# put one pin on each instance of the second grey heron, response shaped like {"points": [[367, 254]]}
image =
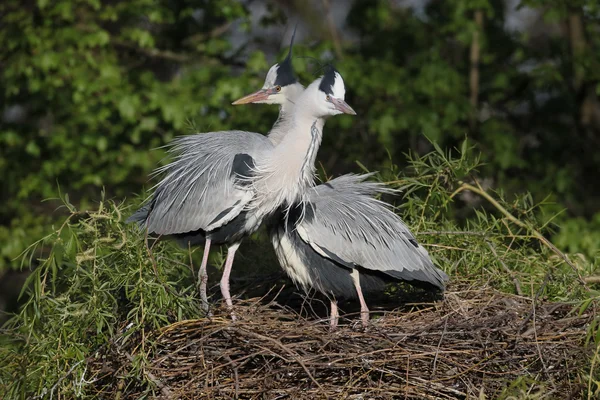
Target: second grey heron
{"points": [[342, 241], [335, 238]]}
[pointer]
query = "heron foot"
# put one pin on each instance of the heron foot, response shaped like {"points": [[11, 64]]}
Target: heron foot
{"points": [[203, 296], [334, 316], [364, 316]]}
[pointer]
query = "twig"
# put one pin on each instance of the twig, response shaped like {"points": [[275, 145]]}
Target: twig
{"points": [[294, 355], [332, 31], [437, 352], [163, 388], [535, 336], [474, 73], [592, 279], [465, 233], [524, 225], [508, 271], [235, 374], [62, 378], [202, 36]]}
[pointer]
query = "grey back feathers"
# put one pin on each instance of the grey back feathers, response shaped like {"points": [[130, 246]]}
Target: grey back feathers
{"points": [[344, 222], [198, 185]]}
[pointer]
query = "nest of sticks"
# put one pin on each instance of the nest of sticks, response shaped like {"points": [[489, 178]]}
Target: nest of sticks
{"points": [[471, 344]]}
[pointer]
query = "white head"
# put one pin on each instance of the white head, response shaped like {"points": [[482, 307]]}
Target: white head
{"points": [[325, 96]]}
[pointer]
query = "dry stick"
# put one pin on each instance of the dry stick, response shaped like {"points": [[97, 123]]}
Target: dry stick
{"points": [[235, 374], [163, 387], [294, 355], [437, 352], [465, 233], [516, 221], [406, 383], [508, 271], [592, 279], [535, 336]]}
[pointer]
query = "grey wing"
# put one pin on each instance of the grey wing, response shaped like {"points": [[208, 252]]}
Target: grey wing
{"points": [[344, 222], [201, 188]]}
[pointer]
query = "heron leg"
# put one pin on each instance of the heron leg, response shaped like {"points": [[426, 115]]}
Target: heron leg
{"points": [[203, 276], [225, 278], [334, 316], [364, 310]]}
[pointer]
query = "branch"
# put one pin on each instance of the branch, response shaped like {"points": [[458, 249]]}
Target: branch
{"points": [[474, 73], [592, 279], [508, 270], [154, 53], [335, 37], [524, 225]]}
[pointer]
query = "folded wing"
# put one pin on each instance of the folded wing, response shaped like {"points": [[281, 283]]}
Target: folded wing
{"points": [[201, 188], [343, 221]]}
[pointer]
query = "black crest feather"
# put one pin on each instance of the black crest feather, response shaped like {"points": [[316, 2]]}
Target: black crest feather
{"points": [[328, 80], [285, 73]]}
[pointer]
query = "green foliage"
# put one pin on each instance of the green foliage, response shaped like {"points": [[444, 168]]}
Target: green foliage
{"points": [[86, 77], [98, 284], [89, 87]]}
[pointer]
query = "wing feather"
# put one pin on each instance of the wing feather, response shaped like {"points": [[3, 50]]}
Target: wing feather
{"points": [[346, 222], [199, 190]]}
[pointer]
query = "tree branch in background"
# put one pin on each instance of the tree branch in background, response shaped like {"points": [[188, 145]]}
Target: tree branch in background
{"points": [[474, 73], [204, 36], [153, 53], [577, 41], [589, 108], [335, 37]]}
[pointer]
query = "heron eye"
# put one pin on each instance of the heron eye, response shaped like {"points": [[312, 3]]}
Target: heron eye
{"points": [[278, 88], [328, 98]]}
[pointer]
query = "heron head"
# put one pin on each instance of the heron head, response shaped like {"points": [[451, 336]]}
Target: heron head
{"points": [[281, 84], [330, 94]]}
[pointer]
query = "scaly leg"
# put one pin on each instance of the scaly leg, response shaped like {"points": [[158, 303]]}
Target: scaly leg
{"points": [[225, 278], [364, 310], [203, 276], [334, 316]]}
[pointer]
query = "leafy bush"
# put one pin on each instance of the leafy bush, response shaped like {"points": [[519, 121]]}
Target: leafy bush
{"points": [[100, 285]]}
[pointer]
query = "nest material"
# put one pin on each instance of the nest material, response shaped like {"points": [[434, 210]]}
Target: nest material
{"points": [[473, 343]]}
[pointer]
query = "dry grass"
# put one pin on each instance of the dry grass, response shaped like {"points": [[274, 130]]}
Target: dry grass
{"points": [[474, 343]]}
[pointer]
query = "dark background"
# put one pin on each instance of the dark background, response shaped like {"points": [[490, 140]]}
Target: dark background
{"points": [[89, 88]]}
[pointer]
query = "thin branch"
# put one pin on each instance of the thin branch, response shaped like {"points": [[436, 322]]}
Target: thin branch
{"points": [[508, 270], [335, 37], [460, 233], [290, 352], [592, 279], [524, 225], [154, 53], [474, 72]]}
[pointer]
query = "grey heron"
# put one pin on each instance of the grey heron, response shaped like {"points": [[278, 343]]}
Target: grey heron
{"points": [[342, 241], [207, 192], [199, 200], [337, 237]]}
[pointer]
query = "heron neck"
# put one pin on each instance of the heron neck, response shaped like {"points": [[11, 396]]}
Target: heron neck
{"points": [[283, 177], [283, 124]]}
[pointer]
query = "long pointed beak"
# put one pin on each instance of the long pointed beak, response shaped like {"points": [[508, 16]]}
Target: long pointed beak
{"points": [[260, 95], [342, 106]]}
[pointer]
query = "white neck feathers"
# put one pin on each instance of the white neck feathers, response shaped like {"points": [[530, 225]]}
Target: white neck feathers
{"points": [[282, 177]]}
